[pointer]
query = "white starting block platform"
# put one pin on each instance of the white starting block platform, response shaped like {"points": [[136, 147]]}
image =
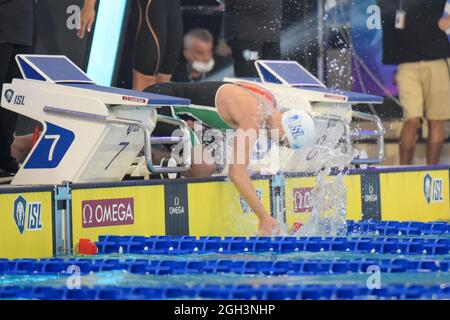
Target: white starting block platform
{"points": [[292, 74], [91, 133]]}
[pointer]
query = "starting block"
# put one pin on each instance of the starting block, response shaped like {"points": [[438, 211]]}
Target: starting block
{"points": [[94, 133], [90, 133]]}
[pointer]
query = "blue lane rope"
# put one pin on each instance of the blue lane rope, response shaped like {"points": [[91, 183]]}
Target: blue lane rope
{"points": [[408, 228], [295, 267], [187, 244], [235, 292], [233, 245]]}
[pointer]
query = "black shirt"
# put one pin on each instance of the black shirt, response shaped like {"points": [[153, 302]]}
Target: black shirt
{"points": [[253, 20], [421, 39], [17, 21]]}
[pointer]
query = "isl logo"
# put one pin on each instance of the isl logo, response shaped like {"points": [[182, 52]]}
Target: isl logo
{"points": [[20, 205], [433, 189], [9, 94], [21, 209]]}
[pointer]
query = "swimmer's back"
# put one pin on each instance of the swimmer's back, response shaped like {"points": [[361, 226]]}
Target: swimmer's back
{"points": [[200, 93]]}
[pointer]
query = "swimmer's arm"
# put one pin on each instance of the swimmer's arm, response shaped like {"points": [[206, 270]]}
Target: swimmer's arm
{"points": [[240, 177], [87, 17]]}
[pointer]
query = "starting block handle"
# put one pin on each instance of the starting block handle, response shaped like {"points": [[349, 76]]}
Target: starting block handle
{"points": [[148, 140], [359, 135], [327, 117], [378, 134], [187, 145]]}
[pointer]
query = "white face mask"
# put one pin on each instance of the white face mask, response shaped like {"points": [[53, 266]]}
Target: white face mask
{"points": [[203, 67]]}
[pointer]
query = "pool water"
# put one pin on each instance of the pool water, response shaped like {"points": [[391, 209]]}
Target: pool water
{"points": [[372, 262]]}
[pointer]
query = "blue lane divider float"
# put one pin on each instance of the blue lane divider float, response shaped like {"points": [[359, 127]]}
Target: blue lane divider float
{"points": [[233, 245], [164, 267], [235, 292], [408, 228]]}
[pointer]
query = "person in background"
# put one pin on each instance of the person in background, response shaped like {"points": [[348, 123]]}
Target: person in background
{"points": [[16, 37], [413, 39], [198, 59], [252, 29], [158, 39]]}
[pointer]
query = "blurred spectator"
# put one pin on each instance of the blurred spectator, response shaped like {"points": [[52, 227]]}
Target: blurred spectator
{"points": [[16, 37], [252, 30], [198, 59], [158, 39], [444, 23], [413, 40]]}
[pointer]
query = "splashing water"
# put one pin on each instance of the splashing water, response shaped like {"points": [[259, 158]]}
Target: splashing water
{"points": [[329, 198]]}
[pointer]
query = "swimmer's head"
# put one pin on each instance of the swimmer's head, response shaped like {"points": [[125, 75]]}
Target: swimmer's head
{"points": [[297, 129]]}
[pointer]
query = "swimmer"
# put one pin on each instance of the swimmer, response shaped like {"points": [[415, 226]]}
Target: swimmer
{"points": [[222, 105]]}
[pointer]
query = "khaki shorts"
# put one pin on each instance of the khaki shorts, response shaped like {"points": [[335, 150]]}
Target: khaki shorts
{"points": [[424, 89]]}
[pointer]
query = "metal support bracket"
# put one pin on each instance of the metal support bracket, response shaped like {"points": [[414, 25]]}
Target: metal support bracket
{"points": [[63, 219], [277, 185], [148, 140]]}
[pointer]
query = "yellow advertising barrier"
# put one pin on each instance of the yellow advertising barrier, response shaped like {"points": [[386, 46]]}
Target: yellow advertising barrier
{"points": [[117, 210], [298, 203], [216, 208], [415, 195], [206, 207], [400, 194], [26, 223], [177, 207]]}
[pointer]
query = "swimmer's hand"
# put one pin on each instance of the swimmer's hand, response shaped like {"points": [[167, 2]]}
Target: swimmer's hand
{"points": [[87, 18], [268, 226]]}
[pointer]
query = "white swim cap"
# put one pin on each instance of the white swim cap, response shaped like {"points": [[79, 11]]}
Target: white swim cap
{"points": [[298, 128]]}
